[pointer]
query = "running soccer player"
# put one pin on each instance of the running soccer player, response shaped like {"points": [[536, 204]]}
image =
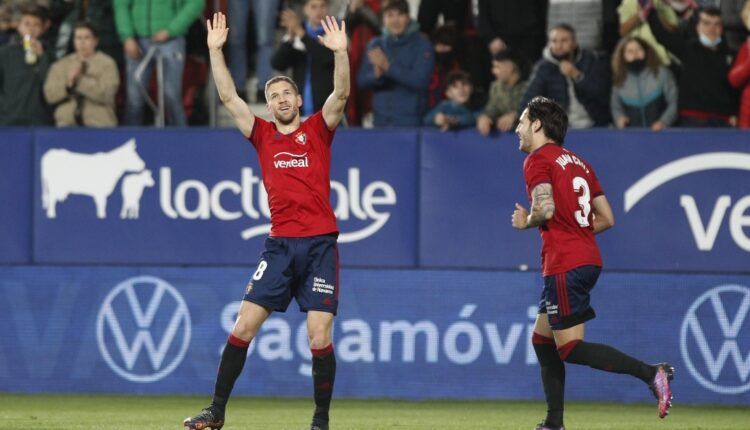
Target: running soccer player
{"points": [[569, 208], [300, 259]]}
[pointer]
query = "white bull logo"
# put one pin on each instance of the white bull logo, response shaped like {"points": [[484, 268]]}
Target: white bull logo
{"points": [[96, 175]]}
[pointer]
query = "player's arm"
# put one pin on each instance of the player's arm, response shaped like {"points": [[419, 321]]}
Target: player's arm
{"points": [[542, 208], [335, 40], [604, 218], [217, 36]]}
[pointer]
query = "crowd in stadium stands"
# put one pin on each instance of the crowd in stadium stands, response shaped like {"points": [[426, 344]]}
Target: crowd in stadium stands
{"points": [[448, 64]]}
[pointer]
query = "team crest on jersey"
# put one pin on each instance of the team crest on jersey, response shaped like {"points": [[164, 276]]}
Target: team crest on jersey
{"points": [[301, 138], [249, 287]]}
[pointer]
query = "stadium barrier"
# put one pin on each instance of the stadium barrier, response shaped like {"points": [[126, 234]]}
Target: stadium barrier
{"points": [[399, 333], [93, 220]]}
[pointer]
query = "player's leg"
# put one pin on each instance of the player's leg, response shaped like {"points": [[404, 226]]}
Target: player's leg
{"points": [[268, 290], [249, 319], [318, 296], [573, 295], [319, 327], [552, 368]]}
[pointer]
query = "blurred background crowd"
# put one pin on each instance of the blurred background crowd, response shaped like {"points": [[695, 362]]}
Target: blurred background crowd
{"points": [[448, 64]]}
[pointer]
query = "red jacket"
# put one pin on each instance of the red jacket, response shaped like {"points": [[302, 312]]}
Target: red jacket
{"points": [[739, 77]]}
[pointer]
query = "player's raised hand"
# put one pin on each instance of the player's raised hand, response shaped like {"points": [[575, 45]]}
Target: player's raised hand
{"points": [[520, 217], [217, 31], [335, 38]]}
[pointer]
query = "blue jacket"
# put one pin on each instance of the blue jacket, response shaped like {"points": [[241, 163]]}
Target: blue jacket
{"points": [[465, 116], [400, 95], [592, 90]]}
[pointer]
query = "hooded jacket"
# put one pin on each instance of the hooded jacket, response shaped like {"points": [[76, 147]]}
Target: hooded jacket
{"points": [[592, 89], [400, 94]]}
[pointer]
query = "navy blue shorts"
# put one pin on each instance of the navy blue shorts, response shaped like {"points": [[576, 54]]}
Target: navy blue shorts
{"points": [[566, 297], [306, 268]]}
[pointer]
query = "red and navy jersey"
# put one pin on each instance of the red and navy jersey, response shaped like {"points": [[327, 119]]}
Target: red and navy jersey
{"points": [[568, 238], [296, 173]]}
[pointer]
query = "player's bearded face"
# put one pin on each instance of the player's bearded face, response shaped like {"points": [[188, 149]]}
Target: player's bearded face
{"points": [[524, 133], [283, 102]]}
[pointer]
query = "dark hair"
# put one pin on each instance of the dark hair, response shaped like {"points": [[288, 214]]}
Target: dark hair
{"points": [[565, 27], [40, 12], [512, 56], [88, 25], [620, 72], [552, 116], [445, 35], [276, 79], [400, 5], [457, 76], [711, 11]]}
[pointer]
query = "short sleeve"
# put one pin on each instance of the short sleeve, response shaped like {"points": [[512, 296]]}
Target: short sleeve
{"points": [[318, 124], [260, 129], [536, 170], [595, 186]]}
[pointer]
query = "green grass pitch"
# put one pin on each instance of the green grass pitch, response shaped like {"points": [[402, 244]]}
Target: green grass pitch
{"points": [[100, 412]]}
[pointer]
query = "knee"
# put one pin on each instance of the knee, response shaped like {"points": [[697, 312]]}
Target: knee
{"points": [[319, 336], [244, 330]]}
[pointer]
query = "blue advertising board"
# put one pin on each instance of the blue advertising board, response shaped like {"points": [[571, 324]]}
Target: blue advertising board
{"points": [[161, 330], [16, 164], [681, 200], [196, 197]]}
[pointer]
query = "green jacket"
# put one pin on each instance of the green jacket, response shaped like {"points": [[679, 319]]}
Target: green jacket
{"points": [[143, 18], [21, 98]]}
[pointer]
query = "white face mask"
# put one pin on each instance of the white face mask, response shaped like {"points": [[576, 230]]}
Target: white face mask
{"points": [[708, 43], [679, 6]]}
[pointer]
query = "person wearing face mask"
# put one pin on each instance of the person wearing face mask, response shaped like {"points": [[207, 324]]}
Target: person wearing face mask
{"points": [[644, 93], [706, 99], [446, 62], [739, 74], [577, 78]]}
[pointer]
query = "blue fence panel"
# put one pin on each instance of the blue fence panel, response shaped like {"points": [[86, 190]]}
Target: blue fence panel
{"points": [[15, 189], [195, 197], [681, 200], [161, 330]]}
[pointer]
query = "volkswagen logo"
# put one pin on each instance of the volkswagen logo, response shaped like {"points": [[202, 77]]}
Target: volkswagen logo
{"points": [[143, 329], [715, 339]]}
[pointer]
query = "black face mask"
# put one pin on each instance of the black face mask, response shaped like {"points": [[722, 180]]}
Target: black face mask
{"points": [[444, 58], [636, 66]]}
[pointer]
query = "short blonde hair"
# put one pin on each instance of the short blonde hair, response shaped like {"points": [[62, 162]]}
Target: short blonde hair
{"points": [[276, 79]]}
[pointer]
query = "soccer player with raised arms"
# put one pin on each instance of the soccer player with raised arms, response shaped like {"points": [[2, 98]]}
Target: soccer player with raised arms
{"points": [[569, 207], [300, 259]]}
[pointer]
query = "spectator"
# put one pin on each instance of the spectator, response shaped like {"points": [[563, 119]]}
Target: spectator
{"points": [[310, 61], [685, 9], [455, 13], [265, 13], [397, 68], [362, 24], [446, 62], [454, 112], [143, 24], [501, 113], [23, 68], [586, 16], [739, 75], [513, 24], [735, 30], [10, 16], [82, 85], [576, 78], [706, 99], [633, 23], [100, 14], [644, 93]]}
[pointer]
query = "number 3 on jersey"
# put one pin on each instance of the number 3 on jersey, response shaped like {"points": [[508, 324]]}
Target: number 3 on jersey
{"points": [[261, 268], [584, 201]]}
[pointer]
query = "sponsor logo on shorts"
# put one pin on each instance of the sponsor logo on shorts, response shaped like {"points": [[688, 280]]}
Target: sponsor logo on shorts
{"points": [[321, 286]]}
